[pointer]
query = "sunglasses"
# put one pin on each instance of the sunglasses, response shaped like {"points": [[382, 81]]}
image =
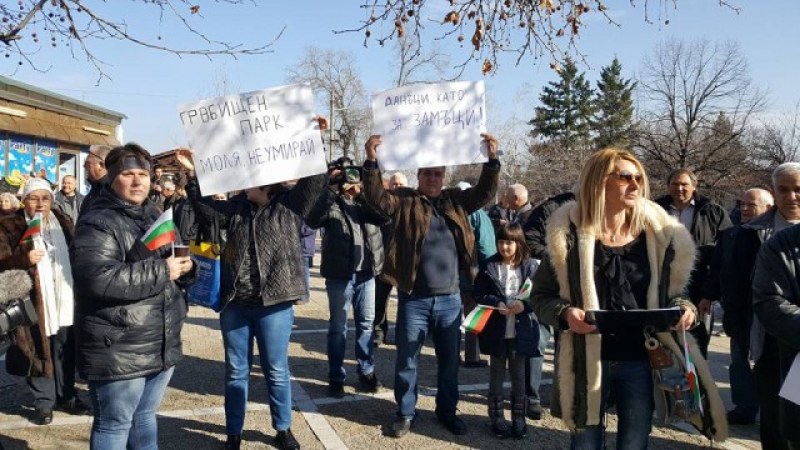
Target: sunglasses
{"points": [[628, 177]]}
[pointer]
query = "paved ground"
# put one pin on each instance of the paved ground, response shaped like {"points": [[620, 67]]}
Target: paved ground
{"points": [[192, 415]]}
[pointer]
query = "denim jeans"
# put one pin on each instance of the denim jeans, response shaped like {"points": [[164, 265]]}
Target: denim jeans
{"points": [[534, 367], [358, 291], [743, 386], [307, 262], [125, 412], [416, 316], [271, 326], [632, 384]]}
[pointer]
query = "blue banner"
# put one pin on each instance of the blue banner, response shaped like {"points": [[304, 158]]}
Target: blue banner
{"points": [[46, 161]]}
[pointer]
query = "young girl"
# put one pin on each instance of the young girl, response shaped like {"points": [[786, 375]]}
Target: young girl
{"points": [[512, 333]]}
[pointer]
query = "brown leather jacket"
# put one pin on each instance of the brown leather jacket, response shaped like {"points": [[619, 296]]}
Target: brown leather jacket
{"points": [[410, 213]]}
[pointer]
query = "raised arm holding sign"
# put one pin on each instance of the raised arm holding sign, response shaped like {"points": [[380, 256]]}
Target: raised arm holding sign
{"points": [[254, 139]]}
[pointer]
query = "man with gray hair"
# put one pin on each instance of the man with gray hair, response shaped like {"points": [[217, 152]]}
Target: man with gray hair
{"points": [[718, 287], [96, 174], [738, 297], [518, 205], [68, 200]]}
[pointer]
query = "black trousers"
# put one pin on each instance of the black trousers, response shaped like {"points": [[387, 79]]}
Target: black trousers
{"points": [[382, 291], [768, 384], [47, 391]]}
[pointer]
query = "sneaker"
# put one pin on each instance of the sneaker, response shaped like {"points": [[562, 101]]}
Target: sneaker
{"points": [[535, 411], [286, 440], [454, 424], [74, 406], [42, 417], [234, 442], [735, 417], [369, 383], [336, 389], [377, 338], [401, 426]]}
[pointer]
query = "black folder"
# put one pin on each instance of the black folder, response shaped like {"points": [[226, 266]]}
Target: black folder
{"points": [[635, 320]]}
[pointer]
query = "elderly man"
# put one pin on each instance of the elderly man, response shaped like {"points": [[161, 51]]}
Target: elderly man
{"points": [[96, 173], [705, 220], [738, 297], [776, 302], [382, 288], [720, 286], [68, 199], [518, 204], [431, 239]]}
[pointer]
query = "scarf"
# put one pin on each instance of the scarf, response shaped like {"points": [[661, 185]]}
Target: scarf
{"points": [[55, 276]]}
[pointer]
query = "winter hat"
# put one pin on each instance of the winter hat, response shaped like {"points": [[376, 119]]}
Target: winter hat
{"points": [[36, 184]]}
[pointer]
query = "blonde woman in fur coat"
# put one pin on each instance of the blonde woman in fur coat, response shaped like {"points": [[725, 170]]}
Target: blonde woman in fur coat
{"points": [[613, 249]]}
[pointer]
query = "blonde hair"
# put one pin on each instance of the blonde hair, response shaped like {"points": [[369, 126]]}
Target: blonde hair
{"points": [[12, 198], [591, 194]]}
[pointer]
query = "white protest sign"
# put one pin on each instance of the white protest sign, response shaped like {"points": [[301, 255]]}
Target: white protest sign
{"points": [[253, 139], [427, 125]]}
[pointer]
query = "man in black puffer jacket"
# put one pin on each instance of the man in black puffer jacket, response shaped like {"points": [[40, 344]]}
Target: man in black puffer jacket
{"points": [[263, 275], [129, 307], [352, 254]]}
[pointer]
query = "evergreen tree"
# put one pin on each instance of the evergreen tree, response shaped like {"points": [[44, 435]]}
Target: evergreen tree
{"points": [[566, 111], [612, 121]]}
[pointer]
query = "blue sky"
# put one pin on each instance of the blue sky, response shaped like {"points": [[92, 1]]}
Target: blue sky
{"points": [[148, 85]]}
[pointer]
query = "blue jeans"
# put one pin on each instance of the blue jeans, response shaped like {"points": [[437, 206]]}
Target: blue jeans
{"points": [[125, 412], [271, 326], [416, 316], [358, 291], [632, 383], [307, 261], [743, 386]]}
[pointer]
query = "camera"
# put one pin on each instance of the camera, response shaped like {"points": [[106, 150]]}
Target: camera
{"points": [[350, 173], [16, 308]]}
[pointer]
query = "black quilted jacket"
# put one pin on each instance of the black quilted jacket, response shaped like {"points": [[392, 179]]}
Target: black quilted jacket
{"points": [[128, 313], [277, 231]]}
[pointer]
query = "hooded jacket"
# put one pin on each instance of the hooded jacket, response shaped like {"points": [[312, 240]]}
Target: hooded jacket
{"points": [[566, 278], [129, 314]]}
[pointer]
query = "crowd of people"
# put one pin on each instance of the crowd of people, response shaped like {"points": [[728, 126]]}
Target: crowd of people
{"points": [[111, 308]]}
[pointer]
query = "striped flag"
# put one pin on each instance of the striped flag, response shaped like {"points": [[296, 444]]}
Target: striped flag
{"points": [[34, 228], [161, 233], [476, 319], [524, 293], [691, 374]]}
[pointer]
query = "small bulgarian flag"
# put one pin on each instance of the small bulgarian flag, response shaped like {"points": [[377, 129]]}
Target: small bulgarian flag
{"points": [[161, 233], [691, 374], [34, 228], [476, 319], [524, 293]]}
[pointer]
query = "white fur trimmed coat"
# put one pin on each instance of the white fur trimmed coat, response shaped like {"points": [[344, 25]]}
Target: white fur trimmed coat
{"points": [[568, 280]]}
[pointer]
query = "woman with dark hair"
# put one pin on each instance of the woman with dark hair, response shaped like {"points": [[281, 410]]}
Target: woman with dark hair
{"points": [[616, 250], [130, 309]]}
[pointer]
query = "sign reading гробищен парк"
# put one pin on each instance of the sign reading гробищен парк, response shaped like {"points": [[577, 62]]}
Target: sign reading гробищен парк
{"points": [[254, 139], [428, 125]]}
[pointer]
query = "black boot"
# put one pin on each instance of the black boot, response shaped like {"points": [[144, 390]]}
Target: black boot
{"points": [[286, 440], [519, 405], [496, 417], [234, 442]]}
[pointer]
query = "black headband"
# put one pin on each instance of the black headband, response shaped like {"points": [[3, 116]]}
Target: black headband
{"points": [[128, 162]]}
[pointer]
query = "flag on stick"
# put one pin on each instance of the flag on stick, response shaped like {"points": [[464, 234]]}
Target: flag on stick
{"points": [[691, 374], [34, 228], [161, 233], [476, 319]]}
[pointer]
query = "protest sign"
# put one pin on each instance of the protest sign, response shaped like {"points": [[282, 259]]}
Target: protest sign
{"points": [[253, 139], [427, 125]]}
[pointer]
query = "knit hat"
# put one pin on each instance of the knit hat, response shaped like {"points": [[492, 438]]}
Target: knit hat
{"points": [[36, 184]]}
